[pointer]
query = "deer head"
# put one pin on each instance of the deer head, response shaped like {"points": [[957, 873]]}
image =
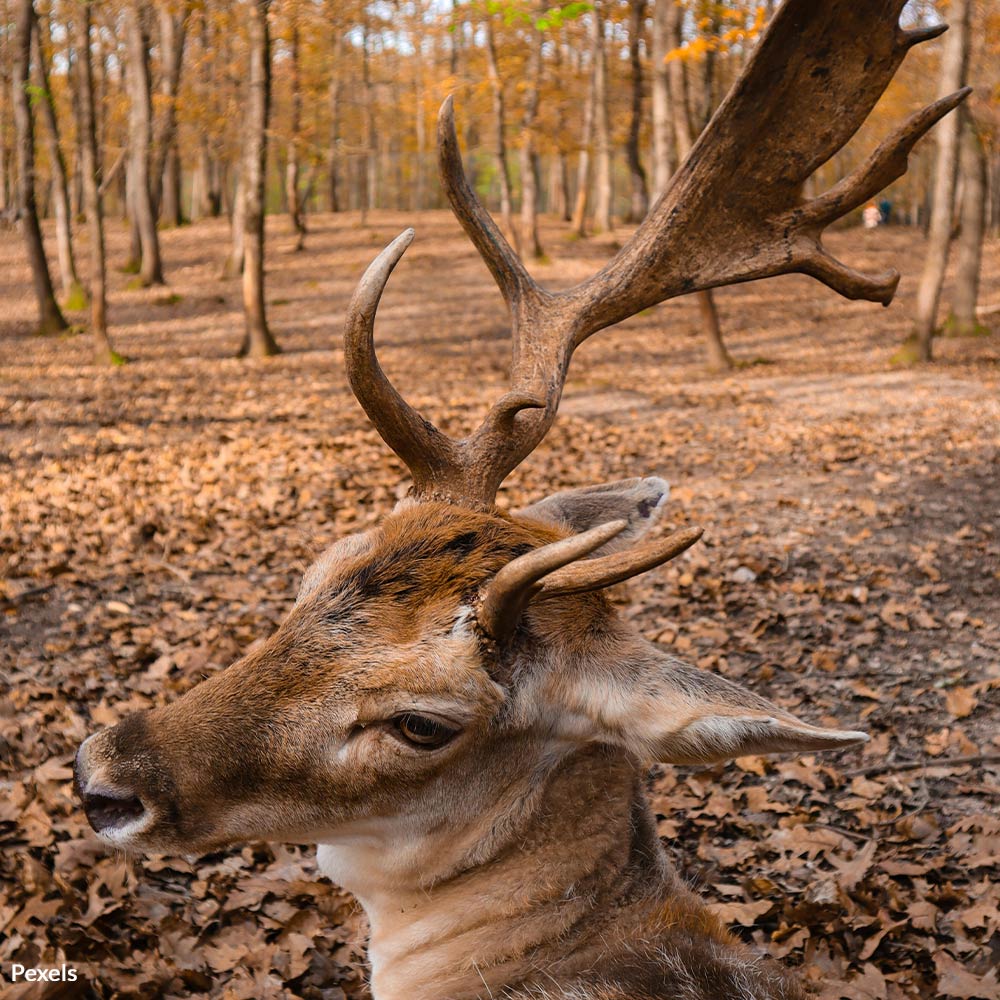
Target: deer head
{"points": [[453, 705], [426, 662]]}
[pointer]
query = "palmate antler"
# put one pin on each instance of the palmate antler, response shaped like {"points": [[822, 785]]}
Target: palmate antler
{"points": [[733, 212]]}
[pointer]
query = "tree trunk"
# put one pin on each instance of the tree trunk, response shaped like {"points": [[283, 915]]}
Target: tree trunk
{"points": [[201, 181], [718, 356], [257, 340], [420, 118], [559, 186], [76, 206], [90, 167], [704, 102], [206, 195], [134, 261], [336, 90], [369, 180], [677, 78], [994, 200], [639, 205], [604, 192], [972, 167], [165, 169], [50, 319], [953, 64], [6, 198], [73, 294], [334, 174], [140, 138], [559, 191], [583, 166], [292, 191], [664, 160], [530, 242], [499, 137], [171, 209], [237, 227]]}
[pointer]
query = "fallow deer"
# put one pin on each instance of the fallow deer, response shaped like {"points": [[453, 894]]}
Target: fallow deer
{"points": [[453, 710]]}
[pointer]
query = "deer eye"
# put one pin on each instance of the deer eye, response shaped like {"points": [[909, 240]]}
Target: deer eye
{"points": [[423, 731]]}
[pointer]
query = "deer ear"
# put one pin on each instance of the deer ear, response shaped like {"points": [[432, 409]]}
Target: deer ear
{"points": [[664, 710], [638, 502]]}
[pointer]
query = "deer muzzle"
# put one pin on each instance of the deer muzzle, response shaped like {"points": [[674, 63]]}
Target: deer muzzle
{"points": [[124, 791]]}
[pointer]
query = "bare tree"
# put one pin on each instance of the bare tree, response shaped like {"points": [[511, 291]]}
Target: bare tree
{"points": [[6, 198], [50, 318], [369, 181], [680, 105], [603, 187], [954, 59], [972, 169], [639, 205], [237, 228], [206, 194], [703, 99], [74, 296], [336, 91], [90, 166], [584, 166], [560, 197], [257, 339], [419, 114], [166, 166], [718, 356], [664, 156], [140, 139], [292, 192], [530, 242], [499, 133]]}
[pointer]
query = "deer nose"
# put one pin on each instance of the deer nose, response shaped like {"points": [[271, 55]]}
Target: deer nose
{"points": [[106, 808]]}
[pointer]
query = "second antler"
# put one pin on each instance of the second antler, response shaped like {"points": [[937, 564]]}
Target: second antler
{"points": [[733, 212]]}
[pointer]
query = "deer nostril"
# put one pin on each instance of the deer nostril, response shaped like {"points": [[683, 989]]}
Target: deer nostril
{"points": [[107, 808]]}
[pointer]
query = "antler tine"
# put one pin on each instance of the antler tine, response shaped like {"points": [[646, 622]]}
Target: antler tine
{"points": [[508, 593], [917, 35], [506, 267], [886, 164], [540, 349], [429, 454], [596, 574]]}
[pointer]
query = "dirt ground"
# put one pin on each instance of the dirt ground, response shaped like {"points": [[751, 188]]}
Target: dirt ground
{"points": [[155, 520]]}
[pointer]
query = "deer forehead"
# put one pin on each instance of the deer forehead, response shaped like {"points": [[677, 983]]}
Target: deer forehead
{"points": [[390, 609], [417, 569]]}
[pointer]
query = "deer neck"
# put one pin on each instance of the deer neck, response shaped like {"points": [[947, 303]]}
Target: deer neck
{"points": [[526, 891]]}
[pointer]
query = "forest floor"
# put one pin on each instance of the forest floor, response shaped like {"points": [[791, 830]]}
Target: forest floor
{"points": [[155, 520]]}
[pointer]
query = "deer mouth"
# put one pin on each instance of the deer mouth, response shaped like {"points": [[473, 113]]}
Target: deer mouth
{"points": [[115, 814], [110, 812]]}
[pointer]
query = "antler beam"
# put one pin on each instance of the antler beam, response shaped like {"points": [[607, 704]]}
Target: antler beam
{"points": [[733, 212]]}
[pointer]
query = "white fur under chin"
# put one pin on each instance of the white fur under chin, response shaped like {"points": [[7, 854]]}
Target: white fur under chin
{"points": [[355, 868], [378, 865]]}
